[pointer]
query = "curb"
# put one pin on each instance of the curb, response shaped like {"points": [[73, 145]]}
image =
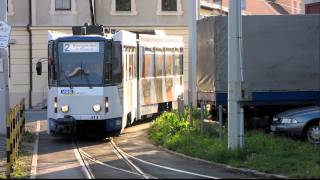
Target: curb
{"points": [[34, 161], [234, 169]]}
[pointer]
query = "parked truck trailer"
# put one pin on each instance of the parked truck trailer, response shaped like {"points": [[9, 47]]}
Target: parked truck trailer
{"points": [[280, 64]]}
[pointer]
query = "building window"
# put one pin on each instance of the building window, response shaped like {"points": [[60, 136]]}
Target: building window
{"points": [[169, 7], [219, 2], [123, 7], [63, 5]]}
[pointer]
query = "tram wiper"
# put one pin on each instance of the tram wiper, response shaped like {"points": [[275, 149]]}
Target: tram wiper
{"points": [[76, 72], [67, 78], [86, 76], [80, 71], [89, 84]]}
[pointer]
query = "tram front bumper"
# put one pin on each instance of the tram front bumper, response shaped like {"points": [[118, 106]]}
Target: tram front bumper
{"points": [[62, 125], [67, 125]]}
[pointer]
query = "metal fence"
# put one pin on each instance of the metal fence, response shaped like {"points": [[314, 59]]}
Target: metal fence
{"points": [[15, 129]]}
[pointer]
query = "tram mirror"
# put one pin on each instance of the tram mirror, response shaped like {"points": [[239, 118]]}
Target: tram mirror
{"points": [[39, 68]]}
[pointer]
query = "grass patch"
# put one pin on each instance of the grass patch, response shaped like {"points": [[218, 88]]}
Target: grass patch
{"points": [[262, 152], [22, 166]]}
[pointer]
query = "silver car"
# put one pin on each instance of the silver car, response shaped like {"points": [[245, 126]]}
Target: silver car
{"points": [[304, 122]]}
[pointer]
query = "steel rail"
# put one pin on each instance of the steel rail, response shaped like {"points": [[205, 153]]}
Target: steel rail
{"points": [[85, 165], [163, 167], [89, 174], [123, 155]]}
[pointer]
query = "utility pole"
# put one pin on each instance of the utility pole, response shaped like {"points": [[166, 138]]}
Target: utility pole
{"points": [[235, 112], [221, 3], [193, 10], [4, 89]]}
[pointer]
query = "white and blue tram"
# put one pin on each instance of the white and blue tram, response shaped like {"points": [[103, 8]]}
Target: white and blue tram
{"points": [[110, 81]]}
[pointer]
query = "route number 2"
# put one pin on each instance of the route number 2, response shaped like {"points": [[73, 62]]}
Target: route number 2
{"points": [[66, 47]]}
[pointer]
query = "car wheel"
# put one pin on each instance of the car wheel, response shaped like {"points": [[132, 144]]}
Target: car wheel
{"points": [[313, 134]]}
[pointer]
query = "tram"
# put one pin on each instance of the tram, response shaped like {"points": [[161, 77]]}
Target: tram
{"points": [[109, 81]]}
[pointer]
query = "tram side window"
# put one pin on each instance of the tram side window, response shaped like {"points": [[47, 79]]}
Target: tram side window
{"points": [[159, 63], [108, 64], [169, 62], [181, 61], [52, 75], [130, 63], [129, 60], [117, 63], [126, 64], [148, 63], [134, 54], [178, 62]]}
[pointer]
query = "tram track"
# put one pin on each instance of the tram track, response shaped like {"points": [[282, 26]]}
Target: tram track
{"points": [[129, 160], [161, 166], [87, 171], [84, 156]]}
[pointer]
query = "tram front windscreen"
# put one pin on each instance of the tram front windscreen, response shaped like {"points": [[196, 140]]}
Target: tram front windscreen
{"points": [[81, 63]]}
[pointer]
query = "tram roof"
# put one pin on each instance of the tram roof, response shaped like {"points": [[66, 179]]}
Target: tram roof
{"points": [[83, 38]]}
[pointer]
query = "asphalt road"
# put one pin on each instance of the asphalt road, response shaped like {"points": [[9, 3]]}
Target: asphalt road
{"points": [[57, 159]]}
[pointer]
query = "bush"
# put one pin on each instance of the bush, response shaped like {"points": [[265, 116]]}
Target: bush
{"points": [[166, 126], [261, 151]]}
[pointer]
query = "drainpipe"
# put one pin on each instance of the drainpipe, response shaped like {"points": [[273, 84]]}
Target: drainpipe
{"points": [[92, 11], [95, 13], [30, 55]]}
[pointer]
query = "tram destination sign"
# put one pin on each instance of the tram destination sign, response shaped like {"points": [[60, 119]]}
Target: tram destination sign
{"points": [[5, 30], [80, 47]]}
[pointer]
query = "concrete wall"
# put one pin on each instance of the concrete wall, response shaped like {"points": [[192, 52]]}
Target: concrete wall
{"points": [[255, 7], [47, 16], [18, 14], [19, 66], [292, 6]]}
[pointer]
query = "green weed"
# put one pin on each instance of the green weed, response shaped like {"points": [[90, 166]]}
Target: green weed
{"points": [[262, 152]]}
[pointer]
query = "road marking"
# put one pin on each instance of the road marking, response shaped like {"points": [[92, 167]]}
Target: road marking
{"points": [[127, 160], [86, 170], [169, 168], [34, 163]]}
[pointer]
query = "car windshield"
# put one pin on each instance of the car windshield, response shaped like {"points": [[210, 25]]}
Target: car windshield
{"points": [[81, 63]]}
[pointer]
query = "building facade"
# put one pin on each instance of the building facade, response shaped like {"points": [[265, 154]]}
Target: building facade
{"points": [[256, 7], [31, 20], [311, 7]]}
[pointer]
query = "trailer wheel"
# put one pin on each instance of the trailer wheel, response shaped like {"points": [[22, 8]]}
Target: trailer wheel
{"points": [[313, 133]]}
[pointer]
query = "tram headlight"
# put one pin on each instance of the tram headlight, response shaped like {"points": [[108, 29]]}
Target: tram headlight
{"points": [[96, 108], [65, 108]]}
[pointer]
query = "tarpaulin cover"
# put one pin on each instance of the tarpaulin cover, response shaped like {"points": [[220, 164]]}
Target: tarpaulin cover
{"points": [[280, 53]]}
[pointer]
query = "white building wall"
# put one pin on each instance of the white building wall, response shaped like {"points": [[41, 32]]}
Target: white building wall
{"points": [[19, 66]]}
